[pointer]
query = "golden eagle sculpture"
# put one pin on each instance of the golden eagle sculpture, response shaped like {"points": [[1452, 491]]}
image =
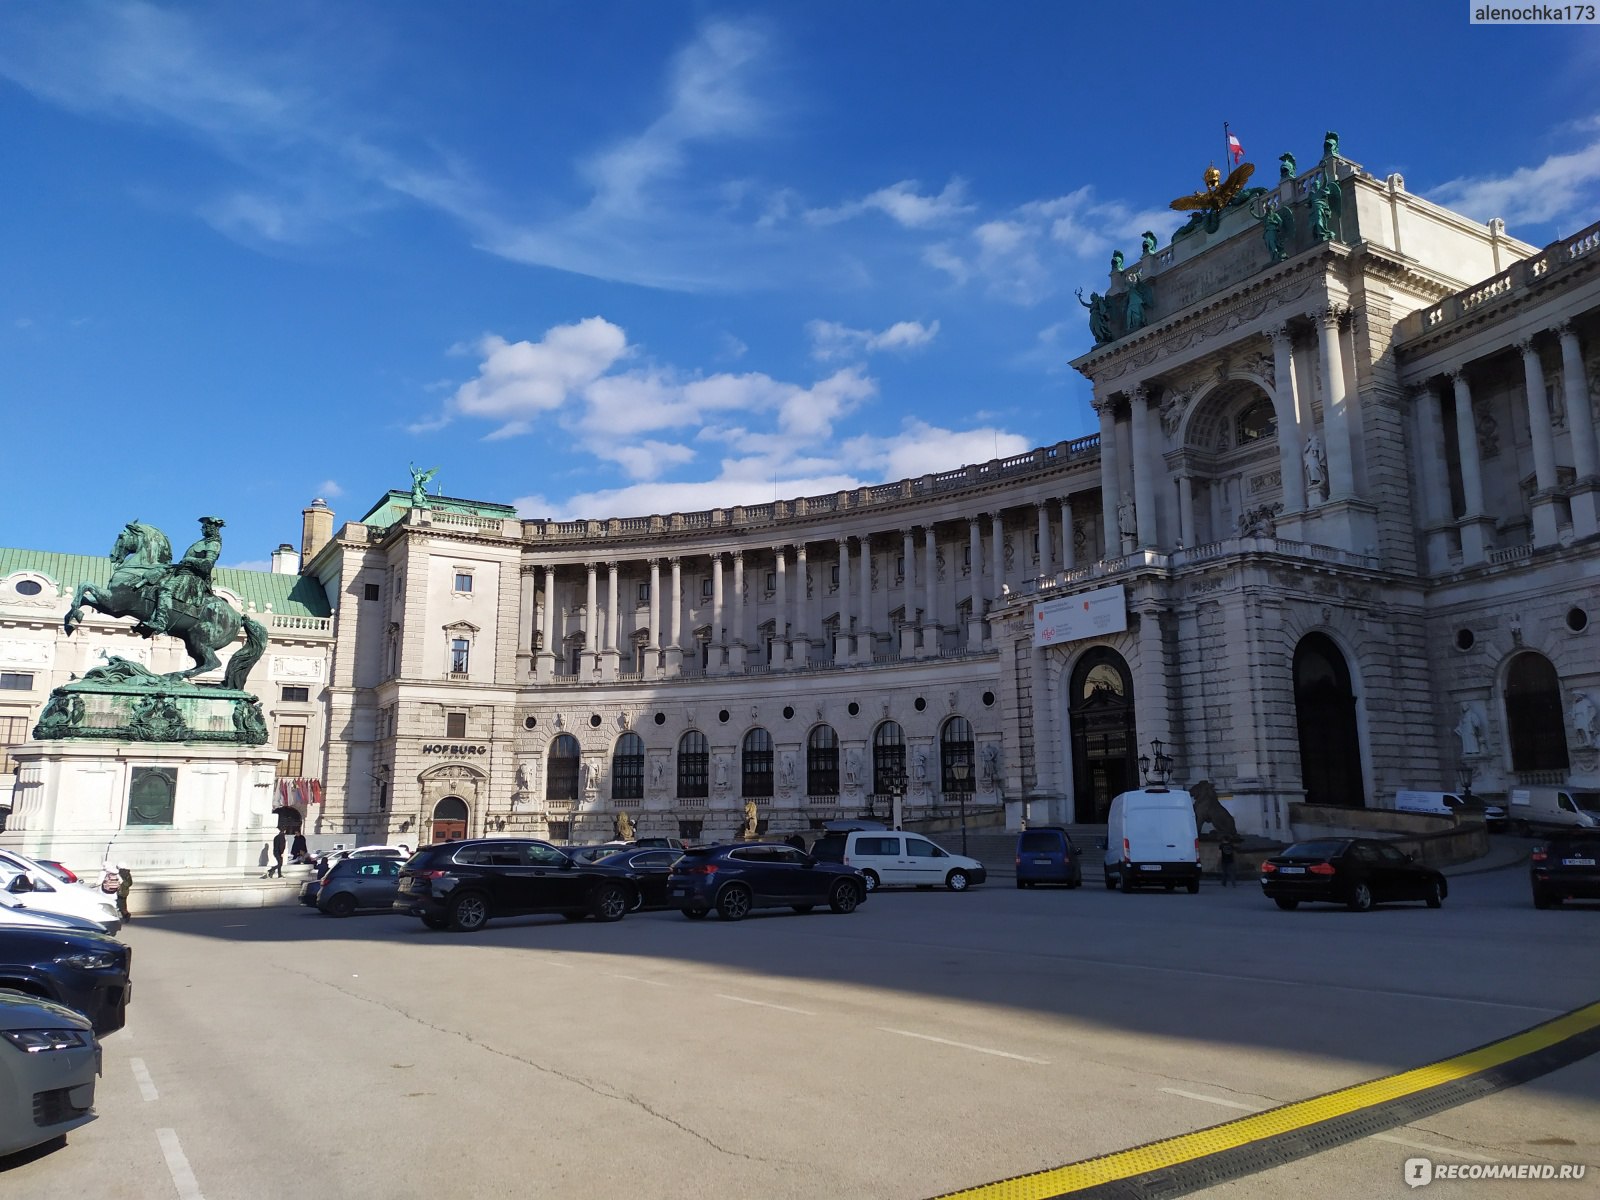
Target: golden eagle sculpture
{"points": [[1219, 193]]}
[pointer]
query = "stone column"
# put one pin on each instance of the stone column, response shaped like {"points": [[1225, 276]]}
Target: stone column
{"points": [[1186, 535], [974, 582], [1580, 423], [864, 639], [719, 637], [780, 625], [1291, 445], [1335, 406], [1152, 685], [1433, 483], [610, 662], [908, 598], [1474, 522], [1110, 478], [930, 618], [1046, 559], [653, 647], [1544, 448], [1144, 470], [673, 654], [741, 634], [591, 627], [1069, 548], [547, 656], [800, 631], [997, 556], [846, 644], [528, 577]]}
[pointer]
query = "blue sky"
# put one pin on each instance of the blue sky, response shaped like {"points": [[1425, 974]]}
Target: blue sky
{"points": [[600, 259]]}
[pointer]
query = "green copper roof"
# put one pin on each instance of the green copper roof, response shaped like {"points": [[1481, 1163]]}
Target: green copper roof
{"points": [[394, 504], [289, 594]]}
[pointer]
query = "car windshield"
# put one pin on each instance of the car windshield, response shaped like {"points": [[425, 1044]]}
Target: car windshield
{"points": [[1039, 843], [1587, 801], [1325, 849]]}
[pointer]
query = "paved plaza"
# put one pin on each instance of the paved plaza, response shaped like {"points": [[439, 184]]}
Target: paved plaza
{"points": [[930, 1042]]}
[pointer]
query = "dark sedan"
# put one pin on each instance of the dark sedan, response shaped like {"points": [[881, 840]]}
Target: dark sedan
{"points": [[736, 878], [1566, 867], [1355, 872], [652, 867], [85, 971], [461, 885]]}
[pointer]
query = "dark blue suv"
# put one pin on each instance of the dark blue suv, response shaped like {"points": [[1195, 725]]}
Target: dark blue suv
{"points": [[736, 878]]}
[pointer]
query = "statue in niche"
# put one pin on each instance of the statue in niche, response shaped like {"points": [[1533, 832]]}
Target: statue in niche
{"points": [[1488, 430], [786, 773], [1127, 517], [523, 782], [919, 766], [991, 764], [722, 772], [1470, 730], [1259, 522], [1099, 316], [1583, 720], [1316, 463], [658, 772], [1147, 241], [1286, 166]]}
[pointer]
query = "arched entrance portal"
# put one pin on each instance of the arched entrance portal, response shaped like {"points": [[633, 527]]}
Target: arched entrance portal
{"points": [[450, 819], [1325, 711], [1534, 719], [1103, 733]]}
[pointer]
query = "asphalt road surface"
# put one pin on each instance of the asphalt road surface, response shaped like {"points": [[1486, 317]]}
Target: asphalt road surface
{"points": [[929, 1042]]}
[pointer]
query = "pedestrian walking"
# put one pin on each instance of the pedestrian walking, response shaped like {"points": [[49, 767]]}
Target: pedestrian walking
{"points": [[124, 886], [278, 844], [1225, 855]]}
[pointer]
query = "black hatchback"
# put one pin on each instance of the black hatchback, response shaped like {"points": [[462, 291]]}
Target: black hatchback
{"points": [[1355, 872], [1566, 867], [734, 879], [461, 885]]}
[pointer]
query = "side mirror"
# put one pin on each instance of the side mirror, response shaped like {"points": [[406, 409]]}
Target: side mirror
{"points": [[810, 861], [20, 884]]}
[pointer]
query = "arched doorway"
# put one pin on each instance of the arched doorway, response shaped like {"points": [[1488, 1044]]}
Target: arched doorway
{"points": [[1100, 710], [1534, 720], [450, 819], [1325, 712]]}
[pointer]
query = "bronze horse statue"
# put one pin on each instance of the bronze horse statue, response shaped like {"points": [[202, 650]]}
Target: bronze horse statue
{"points": [[201, 620]]}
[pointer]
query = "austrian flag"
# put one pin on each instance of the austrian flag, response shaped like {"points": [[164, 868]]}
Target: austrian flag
{"points": [[1234, 148]]}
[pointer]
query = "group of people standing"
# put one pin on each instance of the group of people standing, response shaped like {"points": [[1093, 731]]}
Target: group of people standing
{"points": [[292, 840]]}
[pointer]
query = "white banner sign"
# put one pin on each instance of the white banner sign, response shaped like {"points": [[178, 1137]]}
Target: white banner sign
{"points": [[1088, 614]]}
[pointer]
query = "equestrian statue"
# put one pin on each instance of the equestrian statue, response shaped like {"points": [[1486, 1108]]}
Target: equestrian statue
{"points": [[174, 598]]}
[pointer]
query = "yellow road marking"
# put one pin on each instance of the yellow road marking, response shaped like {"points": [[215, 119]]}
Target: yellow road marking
{"points": [[1170, 1152]]}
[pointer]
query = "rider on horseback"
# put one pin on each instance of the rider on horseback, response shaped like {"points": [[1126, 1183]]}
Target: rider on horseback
{"points": [[189, 579]]}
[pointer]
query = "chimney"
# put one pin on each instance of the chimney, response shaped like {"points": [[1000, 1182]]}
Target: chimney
{"points": [[316, 529], [285, 561]]}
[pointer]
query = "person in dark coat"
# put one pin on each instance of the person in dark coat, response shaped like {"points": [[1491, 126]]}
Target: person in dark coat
{"points": [[298, 853], [278, 844], [795, 840], [124, 886]]}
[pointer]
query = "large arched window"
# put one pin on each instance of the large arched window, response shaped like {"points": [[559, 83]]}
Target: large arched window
{"points": [[888, 759], [1534, 719], [822, 762], [561, 777], [694, 759], [956, 751], [755, 768], [627, 768]]}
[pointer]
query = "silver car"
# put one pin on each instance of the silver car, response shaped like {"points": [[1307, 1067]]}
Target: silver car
{"points": [[49, 1058]]}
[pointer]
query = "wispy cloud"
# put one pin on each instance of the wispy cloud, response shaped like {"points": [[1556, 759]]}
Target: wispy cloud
{"points": [[831, 340], [1564, 187], [904, 203], [329, 489]]}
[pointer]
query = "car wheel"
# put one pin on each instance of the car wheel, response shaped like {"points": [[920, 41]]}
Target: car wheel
{"points": [[1544, 899], [436, 922], [342, 905], [611, 902], [1285, 903], [695, 914], [872, 880], [1111, 882], [1360, 898], [1169, 887], [469, 913], [1435, 896], [1194, 887], [802, 908], [846, 897], [1124, 882], [956, 881], [735, 902]]}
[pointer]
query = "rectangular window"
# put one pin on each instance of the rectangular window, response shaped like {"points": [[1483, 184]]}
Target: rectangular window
{"points": [[644, 593], [369, 592], [292, 741], [690, 831], [460, 649], [966, 556], [772, 582], [463, 581], [899, 566], [13, 732], [296, 695], [16, 681], [560, 831], [627, 775], [455, 725], [833, 575], [705, 589]]}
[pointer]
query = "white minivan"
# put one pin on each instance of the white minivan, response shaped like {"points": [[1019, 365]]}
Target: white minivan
{"points": [[1152, 840], [892, 858]]}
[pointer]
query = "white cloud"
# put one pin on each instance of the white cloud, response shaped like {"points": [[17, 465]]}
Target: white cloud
{"points": [[920, 449], [1563, 186], [831, 340], [904, 203], [329, 489], [518, 381]]}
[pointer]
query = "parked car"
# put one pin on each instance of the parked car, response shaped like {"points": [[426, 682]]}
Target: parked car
{"points": [[892, 858], [652, 867], [41, 890], [1045, 854], [1152, 841], [85, 971], [15, 912], [49, 1059], [357, 883], [1355, 872], [59, 870], [667, 843], [339, 853], [461, 885], [593, 852], [1566, 867], [734, 879]]}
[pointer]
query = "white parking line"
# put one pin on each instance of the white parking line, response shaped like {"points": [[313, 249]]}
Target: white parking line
{"points": [[636, 979], [1446, 1151], [141, 1076], [764, 1004], [178, 1166], [928, 1037]]}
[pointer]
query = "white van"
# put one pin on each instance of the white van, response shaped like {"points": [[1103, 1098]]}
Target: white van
{"points": [[1444, 804], [892, 858], [1151, 840], [1553, 808]]}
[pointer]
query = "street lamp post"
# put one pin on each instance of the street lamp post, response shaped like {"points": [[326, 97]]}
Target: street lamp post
{"points": [[960, 770]]}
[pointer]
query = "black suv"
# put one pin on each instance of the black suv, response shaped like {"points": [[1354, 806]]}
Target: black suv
{"points": [[734, 879], [460, 885], [1566, 867], [85, 971]]}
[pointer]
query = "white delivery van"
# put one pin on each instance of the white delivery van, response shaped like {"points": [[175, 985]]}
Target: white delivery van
{"points": [[1552, 808], [1151, 840], [1444, 804]]}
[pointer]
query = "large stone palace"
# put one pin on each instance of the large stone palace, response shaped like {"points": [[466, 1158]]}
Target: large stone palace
{"points": [[1336, 536]]}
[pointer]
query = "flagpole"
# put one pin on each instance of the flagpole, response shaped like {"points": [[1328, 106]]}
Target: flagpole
{"points": [[1227, 150]]}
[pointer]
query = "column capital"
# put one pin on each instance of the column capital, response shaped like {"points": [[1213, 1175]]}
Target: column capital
{"points": [[593, 567], [1105, 408], [1457, 376], [1564, 328], [1140, 392], [1529, 350], [1331, 314], [738, 557], [1281, 336]]}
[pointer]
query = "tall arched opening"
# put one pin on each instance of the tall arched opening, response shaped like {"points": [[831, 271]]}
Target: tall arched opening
{"points": [[1535, 723], [1325, 713], [450, 819], [1104, 736]]}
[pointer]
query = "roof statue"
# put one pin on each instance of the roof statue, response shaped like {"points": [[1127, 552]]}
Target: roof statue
{"points": [[419, 485], [1219, 192]]}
